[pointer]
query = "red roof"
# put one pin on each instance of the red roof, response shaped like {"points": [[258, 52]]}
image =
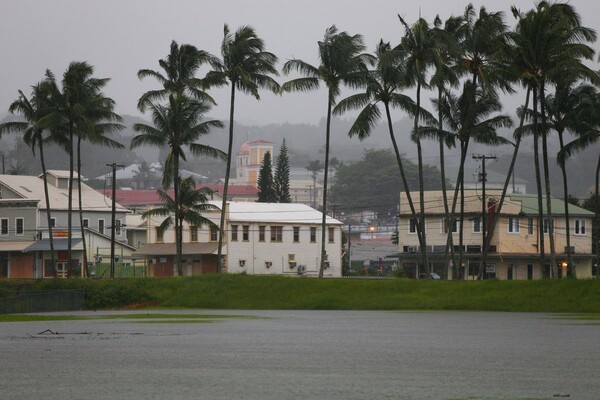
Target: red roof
{"points": [[150, 196]]}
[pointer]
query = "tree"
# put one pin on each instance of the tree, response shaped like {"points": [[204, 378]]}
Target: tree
{"points": [[342, 61], [33, 111], [246, 67], [266, 190], [281, 181], [468, 121], [314, 166], [179, 124], [144, 176], [189, 208], [79, 109]]}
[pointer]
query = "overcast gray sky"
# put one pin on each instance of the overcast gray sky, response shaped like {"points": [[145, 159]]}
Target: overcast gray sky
{"points": [[119, 37]]}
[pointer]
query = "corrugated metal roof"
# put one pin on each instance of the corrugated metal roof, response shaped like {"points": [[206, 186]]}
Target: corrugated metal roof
{"points": [[15, 246], [32, 188], [58, 244], [276, 213], [529, 206]]}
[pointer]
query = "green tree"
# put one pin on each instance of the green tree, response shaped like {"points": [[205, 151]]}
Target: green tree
{"points": [[281, 180], [342, 61], [247, 67], [79, 110], [189, 208], [179, 124], [266, 190], [33, 111], [144, 176]]}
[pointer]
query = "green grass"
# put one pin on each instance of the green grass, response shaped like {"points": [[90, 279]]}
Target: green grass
{"points": [[286, 293]]}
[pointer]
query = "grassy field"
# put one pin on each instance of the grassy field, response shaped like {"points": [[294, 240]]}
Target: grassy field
{"points": [[276, 292]]}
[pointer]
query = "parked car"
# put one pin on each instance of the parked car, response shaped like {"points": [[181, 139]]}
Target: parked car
{"points": [[431, 275]]}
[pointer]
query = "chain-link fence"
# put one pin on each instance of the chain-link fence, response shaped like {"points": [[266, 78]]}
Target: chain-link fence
{"points": [[28, 302]]}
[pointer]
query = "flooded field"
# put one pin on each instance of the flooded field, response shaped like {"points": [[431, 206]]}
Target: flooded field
{"points": [[301, 355]]}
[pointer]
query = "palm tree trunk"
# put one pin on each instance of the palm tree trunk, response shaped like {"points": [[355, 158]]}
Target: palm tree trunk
{"points": [[48, 212], [553, 265], [85, 266], [596, 225], [492, 223], [421, 221], [324, 208], [226, 183], [563, 170], [461, 250], [449, 243], [538, 182], [70, 202], [457, 189], [401, 168], [178, 246]]}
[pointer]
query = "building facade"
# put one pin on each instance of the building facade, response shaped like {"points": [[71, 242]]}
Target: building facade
{"points": [[260, 238], [515, 245]]}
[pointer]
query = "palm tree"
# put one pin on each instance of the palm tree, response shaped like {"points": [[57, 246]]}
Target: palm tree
{"points": [[78, 108], [33, 111], [382, 87], [189, 207], [247, 67], [468, 121], [557, 52], [418, 46], [179, 125], [342, 61], [178, 75]]}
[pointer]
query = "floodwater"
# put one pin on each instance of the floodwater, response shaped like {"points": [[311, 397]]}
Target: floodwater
{"points": [[303, 355]]}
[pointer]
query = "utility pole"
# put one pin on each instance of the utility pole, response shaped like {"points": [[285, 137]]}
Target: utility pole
{"points": [[483, 179], [112, 219]]}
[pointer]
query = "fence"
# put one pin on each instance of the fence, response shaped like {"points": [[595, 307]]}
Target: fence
{"points": [[102, 270], [28, 302]]}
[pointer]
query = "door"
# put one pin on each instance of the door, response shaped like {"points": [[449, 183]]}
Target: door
{"points": [[61, 269], [529, 271]]}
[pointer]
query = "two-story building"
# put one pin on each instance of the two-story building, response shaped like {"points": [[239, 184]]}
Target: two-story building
{"points": [[515, 245], [24, 240], [260, 238]]}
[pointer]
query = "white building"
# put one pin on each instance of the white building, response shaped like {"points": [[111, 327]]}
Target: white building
{"points": [[260, 238]]}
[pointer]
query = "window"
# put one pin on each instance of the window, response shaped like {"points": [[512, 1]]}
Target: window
{"points": [[117, 227], [412, 226], [513, 225], [86, 222], [477, 225], [4, 226], [546, 225], [53, 222], [245, 233], [276, 234], [193, 233], [530, 226], [234, 233], [101, 226], [313, 234], [214, 233], [580, 227], [331, 234], [261, 233], [19, 225], [159, 235], [445, 226], [296, 234]]}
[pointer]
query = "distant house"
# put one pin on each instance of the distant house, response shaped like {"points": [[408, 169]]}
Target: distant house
{"points": [[514, 248], [24, 241], [261, 238]]}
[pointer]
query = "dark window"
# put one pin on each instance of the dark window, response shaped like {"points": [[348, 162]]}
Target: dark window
{"points": [[234, 233], [530, 226], [19, 225], [101, 226], [261, 233], [313, 234], [4, 226], [193, 233], [214, 233], [245, 233], [331, 234], [476, 225], [296, 234], [276, 234], [159, 235]]}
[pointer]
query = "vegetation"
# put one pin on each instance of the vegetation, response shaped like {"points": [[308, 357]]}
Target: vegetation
{"points": [[281, 180], [224, 291], [266, 190]]}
